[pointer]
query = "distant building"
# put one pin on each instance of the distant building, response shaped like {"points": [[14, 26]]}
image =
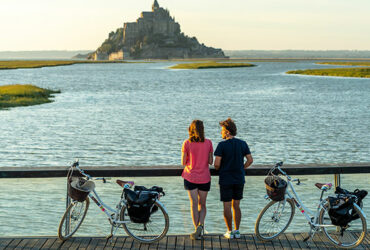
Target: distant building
{"points": [[154, 35]]}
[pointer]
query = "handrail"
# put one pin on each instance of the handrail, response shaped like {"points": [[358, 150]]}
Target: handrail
{"points": [[173, 170]]}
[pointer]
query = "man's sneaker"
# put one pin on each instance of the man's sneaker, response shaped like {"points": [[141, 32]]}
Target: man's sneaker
{"points": [[229, 235], [236, 234]]}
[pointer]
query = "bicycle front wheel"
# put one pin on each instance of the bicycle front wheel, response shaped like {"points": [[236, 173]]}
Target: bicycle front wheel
{"points": [[72, 219], [352, 236], [154, 230], [274, 219]]}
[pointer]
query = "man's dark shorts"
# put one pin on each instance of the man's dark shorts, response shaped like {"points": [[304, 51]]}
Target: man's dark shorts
{"points": [[202, 187], [231, 192]]}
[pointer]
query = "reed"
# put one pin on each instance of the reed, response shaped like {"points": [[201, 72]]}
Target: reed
{"points": [[46, 63], [208, 65], [346, 63], [24, 95], [343, 72]]}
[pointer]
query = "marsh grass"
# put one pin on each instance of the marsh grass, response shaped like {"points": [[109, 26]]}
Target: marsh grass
{"points": [[344, 72], [346, 63], [46, 63], [24, 95], [209, 65]]}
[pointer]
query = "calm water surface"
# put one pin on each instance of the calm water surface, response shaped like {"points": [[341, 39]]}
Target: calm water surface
{"points": [[138, 114]]}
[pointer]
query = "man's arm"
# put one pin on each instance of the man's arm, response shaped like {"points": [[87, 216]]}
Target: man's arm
{"points": [[217, 163], [249, 161]]}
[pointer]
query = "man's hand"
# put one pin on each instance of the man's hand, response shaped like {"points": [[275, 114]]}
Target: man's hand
{"points": [[249, 161]]}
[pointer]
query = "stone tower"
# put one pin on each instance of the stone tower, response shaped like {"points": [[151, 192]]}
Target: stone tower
{"points": [[155, 5]]}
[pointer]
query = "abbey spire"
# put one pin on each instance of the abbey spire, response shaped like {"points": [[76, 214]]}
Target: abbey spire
{"points": [[155, 5]]}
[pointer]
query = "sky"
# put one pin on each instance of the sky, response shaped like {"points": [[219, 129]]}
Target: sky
{"points": [[230, 25]]}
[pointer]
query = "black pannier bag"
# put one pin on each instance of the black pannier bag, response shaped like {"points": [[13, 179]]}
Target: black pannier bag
{"points": [[275, 187], [141, 203], [340, 210], [360, 194]]}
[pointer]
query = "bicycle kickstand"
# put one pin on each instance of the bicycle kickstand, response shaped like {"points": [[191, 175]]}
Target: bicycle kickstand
{"points": [[112, 232], [310, 236]]}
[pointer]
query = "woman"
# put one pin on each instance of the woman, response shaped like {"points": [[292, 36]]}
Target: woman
{"points": [[197, 155]]}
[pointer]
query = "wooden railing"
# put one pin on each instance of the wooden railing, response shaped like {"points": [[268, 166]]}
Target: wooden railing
{"points": [[146, 171]]}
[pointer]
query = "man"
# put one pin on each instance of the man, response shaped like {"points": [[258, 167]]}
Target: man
{"points": [[229, 161]]}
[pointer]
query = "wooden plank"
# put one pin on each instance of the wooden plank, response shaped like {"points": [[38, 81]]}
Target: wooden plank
{"points": [[188, 244], [225, 244], [197, 244], [284, 242], [75, 242], [22, 244], [135, 244], [171, 242], [292, 241], [48, 243], [57, 244], [4, 242], [153, 246], [110, 243], [39, 243], [85, 243], [249, 241], [234, 243], [102, 242], [13, 244], [309, 244], [259, 244], [180, 242], [120, 241], [35, 243], [162, 244], [67, 244], [207, 242], [216, 243], [128, 243]]}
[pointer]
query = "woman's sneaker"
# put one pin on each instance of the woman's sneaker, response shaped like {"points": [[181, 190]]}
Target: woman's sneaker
{"points": [[236, 234], [229, 235]]}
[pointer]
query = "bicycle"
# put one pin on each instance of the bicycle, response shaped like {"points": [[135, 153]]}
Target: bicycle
{"points": [[276, 217], [149, 231]]}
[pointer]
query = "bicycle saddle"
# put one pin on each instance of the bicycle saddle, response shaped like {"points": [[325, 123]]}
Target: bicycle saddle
{"points": [[320, 185]]}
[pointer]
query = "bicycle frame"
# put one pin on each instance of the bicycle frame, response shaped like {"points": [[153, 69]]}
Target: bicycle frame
{"points": [[310, 216], [105, 208]]}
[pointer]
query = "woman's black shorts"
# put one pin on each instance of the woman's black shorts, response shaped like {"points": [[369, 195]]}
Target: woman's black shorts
{"points": [[202, 187]]}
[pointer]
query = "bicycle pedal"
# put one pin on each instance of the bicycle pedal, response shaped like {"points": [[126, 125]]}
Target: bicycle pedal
{"points": [[109, 236]]}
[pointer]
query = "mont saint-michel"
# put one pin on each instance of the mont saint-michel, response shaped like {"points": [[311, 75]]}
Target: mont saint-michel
{"points": [[154, 35]]}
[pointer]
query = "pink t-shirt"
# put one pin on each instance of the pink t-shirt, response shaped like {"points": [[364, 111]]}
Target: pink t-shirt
{"points": [[197, 155]]}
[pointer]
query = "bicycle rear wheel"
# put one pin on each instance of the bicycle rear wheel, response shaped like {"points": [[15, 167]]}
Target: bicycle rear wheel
{"points": [[352, 236], [274, 219], [72, 219], [149, 232]]}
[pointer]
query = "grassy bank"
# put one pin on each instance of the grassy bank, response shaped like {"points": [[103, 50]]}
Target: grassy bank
{"points": [[208, 65], [346, 63], [40, 64], [24, 95], [344, 72]]}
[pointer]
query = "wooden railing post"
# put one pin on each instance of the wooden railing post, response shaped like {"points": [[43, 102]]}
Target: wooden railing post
{"points": [[337, 180], [68, 202]]}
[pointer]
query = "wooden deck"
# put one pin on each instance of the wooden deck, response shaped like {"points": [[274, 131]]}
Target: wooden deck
{"points": [[210, 241]]}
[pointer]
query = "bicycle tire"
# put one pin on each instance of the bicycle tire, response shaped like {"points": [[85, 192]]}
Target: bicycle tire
{"points": [[150, 232], [336, 238], [78, 210], [271, 221]]}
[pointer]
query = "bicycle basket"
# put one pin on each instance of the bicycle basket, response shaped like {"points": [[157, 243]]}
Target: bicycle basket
{"points": [[275, 187]]}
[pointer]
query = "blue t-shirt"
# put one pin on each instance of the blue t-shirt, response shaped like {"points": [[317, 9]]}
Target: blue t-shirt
{"points": [[232, 153]]}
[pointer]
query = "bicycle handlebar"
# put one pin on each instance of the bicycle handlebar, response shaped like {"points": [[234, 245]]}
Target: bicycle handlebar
{"points": [[277, 166]]}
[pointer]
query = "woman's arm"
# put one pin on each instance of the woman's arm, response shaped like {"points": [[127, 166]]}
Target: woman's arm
{"points": [[210, 158], [184, 158]]}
